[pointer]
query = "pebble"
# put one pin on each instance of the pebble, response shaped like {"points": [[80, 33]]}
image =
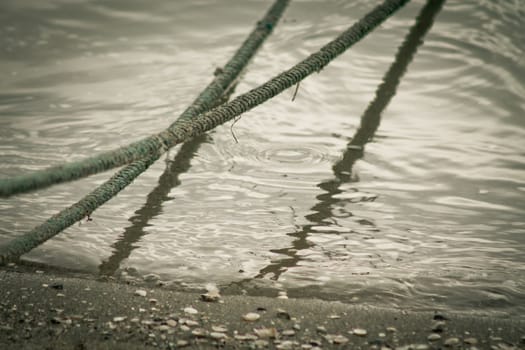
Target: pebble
{"points": [[218, 335], [190, 310], [434, 337], [286, 345], [439, 326], [151, 277], [261, 343], [57, 285], [211, 297], [283, 314], [245, 337], [199, 332], [141, 292], [282, 295], [288, 332], [118, 319], [391, 329], [163, 328], [251, 316], [171, 323], [321, 329], [191, 323], [220, 329], [153, 301], [359, 332], [451, 342], [266, 332], [414, 347], [470, 341], [440, 317], [182, 343], [340, 339]]}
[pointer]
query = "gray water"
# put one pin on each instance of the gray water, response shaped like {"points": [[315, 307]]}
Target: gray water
{"points": [[421, 209]]}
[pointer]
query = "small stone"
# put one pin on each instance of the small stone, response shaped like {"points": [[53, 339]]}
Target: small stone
{"points": [[391, 329], [421, 347], [359, 332], [260, 343], [334, 317], [283, 314], [141, 292], [153, 301], [470, 341], [451, 342], [134, 320], [151, 277], [171, 323], [266, 332], [439, 326], [119, 319], [287, 345], [191, 311], [60, 295], [182, 343], [199, 333], [440, 317], [434, 337], [163, 328], [218, 335], [220, 329], [321, 329], [251, 317], [382, 335], [210, 297], [340, 339], [58, 286], [288, 332], [245, 337], [191, 323]]}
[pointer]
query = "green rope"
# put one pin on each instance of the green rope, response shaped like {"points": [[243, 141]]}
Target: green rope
{"points": [[214, 94], [155, 145], [181, 130], [186, 128]]}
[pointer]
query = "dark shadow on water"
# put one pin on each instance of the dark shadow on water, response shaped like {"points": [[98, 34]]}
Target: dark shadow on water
{"points": [[126, 243], [322, 211]]}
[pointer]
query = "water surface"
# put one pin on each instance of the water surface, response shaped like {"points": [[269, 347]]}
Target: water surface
{"points": [[395, 177]]}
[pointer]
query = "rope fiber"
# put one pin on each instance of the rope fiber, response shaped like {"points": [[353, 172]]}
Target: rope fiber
{"points": [[145, 152], [217, 92]]}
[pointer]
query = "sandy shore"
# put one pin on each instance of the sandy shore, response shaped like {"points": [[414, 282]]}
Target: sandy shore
{"points": [[43, 311]]}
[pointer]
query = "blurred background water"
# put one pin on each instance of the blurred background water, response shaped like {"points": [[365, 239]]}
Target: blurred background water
{"points": [[421, 209]]}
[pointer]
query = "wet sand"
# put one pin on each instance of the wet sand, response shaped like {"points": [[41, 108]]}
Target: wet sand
{"points": [[45, 311]]}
